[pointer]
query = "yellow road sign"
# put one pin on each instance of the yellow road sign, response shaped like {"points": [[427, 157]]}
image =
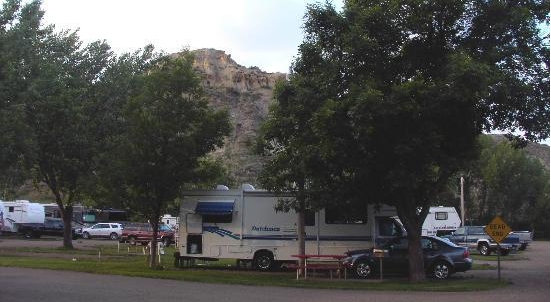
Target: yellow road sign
{"points": [[497, 229]]}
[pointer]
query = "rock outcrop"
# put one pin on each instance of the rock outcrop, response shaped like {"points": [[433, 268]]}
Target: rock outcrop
{"points": [[246, 94]]}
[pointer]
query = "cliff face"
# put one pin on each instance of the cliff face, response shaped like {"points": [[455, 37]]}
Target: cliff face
{"points": [[246, 94]]}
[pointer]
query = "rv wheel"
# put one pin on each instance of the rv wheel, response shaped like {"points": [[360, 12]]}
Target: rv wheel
{"points": [[263, 261]]}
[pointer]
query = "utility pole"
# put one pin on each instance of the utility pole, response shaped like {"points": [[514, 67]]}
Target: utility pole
{"points": [[462, 204]]}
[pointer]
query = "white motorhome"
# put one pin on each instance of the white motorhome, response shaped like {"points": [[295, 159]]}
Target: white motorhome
{"points": [[243, 224], [21, 211]]}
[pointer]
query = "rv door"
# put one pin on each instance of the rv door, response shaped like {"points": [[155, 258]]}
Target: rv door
{"points": [[194, 223]]}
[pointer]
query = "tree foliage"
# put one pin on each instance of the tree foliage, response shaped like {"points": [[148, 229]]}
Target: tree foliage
{"points": [[395, 93], [508, 182], [49, 80], [167, 128]]}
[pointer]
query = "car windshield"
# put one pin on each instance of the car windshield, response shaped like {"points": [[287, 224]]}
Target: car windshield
{"points": [[164, 228]]}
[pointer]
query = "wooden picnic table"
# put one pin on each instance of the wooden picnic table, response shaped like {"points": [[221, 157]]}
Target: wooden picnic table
{"points": [[320, 262]]}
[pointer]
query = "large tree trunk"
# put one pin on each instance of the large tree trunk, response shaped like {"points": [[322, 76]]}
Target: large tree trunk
{"points": [[413, 223], [67, 214], [416, 260]]}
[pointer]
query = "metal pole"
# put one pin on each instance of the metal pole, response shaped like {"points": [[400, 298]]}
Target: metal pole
{"points": [[318, 231], [498, 262], [462, 204]]}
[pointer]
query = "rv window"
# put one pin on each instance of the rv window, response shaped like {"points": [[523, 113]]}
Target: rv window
{"points": [[441, 215], [10, 209], [226, 218], [346, 213]]}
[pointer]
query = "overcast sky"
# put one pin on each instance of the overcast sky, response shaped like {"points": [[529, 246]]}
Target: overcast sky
{"points": [[263, 33]]}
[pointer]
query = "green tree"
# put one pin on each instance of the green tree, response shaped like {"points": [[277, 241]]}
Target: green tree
{"points": [[167, 129], [20, 31], [515, 186], [403, 88], [49, 82], [291, 154]]}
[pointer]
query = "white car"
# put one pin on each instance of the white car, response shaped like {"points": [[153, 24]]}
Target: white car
{"points": [[103, 230]]}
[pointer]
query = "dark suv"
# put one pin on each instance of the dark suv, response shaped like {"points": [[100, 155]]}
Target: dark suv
{"points": [[143, 232]]}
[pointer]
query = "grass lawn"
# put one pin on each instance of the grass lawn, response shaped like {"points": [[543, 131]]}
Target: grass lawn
{"points": [[493, 257], [132, 262]]}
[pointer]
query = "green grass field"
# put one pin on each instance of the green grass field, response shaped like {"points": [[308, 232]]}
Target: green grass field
{"points": [[115, 261]]}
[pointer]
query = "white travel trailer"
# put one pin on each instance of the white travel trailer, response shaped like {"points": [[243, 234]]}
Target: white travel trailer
{"points": [[2, 218], [21, 211], [441, 221], [170, 221], [243, 224]]}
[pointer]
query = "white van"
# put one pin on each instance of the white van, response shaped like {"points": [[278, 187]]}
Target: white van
{"points": [[243, 224]]}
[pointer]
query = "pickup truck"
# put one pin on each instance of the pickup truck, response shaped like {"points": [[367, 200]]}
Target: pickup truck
{"points": [[525, 238], [474, 237], [51, 227]]}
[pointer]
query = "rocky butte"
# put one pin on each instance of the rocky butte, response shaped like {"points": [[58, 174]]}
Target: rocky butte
{"points": [[245, 92]]}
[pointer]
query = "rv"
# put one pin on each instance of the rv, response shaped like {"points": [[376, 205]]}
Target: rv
{"points": [[170, 221], [243, 224], [21, 211], [2, 218], [441, 221]]}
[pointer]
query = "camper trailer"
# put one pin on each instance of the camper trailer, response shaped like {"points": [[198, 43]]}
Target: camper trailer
{"points": [[170, 221], [441, 221], [243, 224], [21, 211], [2, 218]]}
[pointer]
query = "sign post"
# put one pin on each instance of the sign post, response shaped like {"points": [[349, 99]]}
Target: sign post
{"points": [[497, 229]]}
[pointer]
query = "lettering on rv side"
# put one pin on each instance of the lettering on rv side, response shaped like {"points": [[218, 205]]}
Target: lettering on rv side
{"points": [[265, 229]]}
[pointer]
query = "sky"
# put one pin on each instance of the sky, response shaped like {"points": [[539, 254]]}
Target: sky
{"points": [[262, 33]]}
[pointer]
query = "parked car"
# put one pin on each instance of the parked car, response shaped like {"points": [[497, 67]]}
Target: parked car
{"points": [[50, 227], [442, 258], [474, 237], [143, 233], [112, 231]]}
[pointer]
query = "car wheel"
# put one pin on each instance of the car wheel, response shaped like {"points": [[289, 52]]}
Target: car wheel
{"points": [[441, 270], [166, 241], [28, 234], [85, 235], [363, 269], [132, 240], [505, 252], [113, 236], [484, 249], [263, 261]]}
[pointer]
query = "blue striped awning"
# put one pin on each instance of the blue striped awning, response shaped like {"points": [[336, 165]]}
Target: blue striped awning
{"points": [[214, 207]]}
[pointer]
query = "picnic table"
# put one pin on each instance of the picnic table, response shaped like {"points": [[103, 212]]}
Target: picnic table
{"points": [[320, 262]]}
